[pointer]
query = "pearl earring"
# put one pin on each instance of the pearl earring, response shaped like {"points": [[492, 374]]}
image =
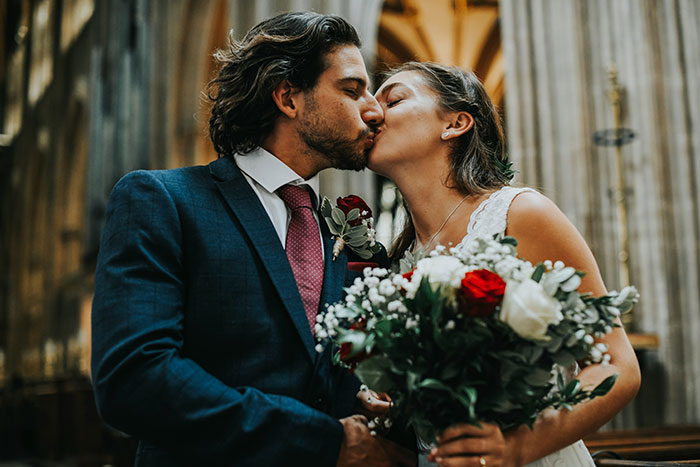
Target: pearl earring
{"points": [[445, 135]]}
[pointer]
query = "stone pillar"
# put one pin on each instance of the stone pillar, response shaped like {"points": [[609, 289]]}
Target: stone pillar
{"points": [[557, 57]]}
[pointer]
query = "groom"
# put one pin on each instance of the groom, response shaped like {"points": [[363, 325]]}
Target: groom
{"points": [[209, 278]]}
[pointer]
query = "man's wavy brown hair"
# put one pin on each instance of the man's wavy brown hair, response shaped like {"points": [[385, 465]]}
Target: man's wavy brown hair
{"points": [[290, 46]]}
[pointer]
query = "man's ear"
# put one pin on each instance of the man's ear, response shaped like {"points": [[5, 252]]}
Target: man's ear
{"points": [[286, 98], [458, 124]]}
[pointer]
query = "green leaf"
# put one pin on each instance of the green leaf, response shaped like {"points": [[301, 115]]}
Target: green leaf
{"points": [[353, 214], [432, 383], [537, 274], [604, 387], [333, 227], [563, 358], [338, 216], [374, 372], [560, 381], [364, 254], [356, 339], [538, 377], [358, 230], [509, 241], [326, 207], [572, 388], [411, 378], [470, 392], [451, 371], [356, 241]]}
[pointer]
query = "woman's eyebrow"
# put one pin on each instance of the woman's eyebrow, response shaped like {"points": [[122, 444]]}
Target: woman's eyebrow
{"points": [[389, 87]]}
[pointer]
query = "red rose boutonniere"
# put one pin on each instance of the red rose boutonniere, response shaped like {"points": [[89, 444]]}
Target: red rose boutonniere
{"points": [[352, 224]]}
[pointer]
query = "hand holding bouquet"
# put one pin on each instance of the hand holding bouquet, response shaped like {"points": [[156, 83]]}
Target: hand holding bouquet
{"points": [[473, 334]]}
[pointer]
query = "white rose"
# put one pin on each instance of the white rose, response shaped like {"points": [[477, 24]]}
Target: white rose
{"points": [[529, 310]]}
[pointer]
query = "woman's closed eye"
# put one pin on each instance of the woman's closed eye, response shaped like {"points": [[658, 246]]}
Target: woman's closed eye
{"points": [[393, 102]]}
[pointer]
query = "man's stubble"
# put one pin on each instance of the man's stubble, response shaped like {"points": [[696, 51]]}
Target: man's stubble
{"points": [[330, 142]]}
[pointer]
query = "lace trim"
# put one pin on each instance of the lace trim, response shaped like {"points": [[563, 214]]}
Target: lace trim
{"points": [[490, 217]]}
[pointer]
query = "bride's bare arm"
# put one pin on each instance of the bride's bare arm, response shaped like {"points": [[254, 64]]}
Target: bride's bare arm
{"points": [[543, 232]]}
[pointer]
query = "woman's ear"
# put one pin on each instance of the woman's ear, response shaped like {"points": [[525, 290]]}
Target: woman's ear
{"points": [[285, 97], [460, 123]]}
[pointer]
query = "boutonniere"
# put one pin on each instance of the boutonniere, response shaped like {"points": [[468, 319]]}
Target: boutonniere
{"points": [[352, 224]]}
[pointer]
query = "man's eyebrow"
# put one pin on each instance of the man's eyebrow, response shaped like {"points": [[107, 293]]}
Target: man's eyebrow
{"points": [[355, 79]]}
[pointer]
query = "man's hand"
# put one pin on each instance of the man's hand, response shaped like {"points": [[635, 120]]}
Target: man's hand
{"points": [[359, 448], [372, 404]]}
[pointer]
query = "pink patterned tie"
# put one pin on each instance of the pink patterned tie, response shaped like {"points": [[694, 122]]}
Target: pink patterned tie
{"points": [[304, 248]]}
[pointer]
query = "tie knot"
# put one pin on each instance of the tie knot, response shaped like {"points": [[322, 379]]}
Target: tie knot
{"points": [[295, 196]]}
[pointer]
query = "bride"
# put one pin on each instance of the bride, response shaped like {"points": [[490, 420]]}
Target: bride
{"points": [[442, 144]]}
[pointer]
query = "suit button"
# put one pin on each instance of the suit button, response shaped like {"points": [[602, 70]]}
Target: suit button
{"points": [[321, 404]]}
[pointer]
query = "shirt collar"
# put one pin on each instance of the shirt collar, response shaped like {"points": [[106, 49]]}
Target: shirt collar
{"points": [[271, 173]]}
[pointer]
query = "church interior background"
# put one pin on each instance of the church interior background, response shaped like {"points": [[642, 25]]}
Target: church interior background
{"points": [[599, 100]]}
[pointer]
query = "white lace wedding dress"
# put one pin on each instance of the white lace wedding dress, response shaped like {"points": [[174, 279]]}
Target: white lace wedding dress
{"points": [[487, 220]]}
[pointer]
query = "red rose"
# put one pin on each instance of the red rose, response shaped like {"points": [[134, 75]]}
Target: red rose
{"points": [[346, 347], [407, 275], [351, 202], [482, 290]]}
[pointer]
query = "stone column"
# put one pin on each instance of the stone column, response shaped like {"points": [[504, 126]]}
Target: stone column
{"points": [[557, 57]]}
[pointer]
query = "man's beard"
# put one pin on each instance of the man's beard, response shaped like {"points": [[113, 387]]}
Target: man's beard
{"points": [[330, 143]]}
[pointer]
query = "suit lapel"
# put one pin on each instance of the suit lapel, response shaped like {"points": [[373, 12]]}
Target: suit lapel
{"points": [[247, 208], [334, 271]]}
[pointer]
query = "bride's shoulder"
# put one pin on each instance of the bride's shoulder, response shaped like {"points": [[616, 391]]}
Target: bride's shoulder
{"points": [[530, 208], [530, 201]]}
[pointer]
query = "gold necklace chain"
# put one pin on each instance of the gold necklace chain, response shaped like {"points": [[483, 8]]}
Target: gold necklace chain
{"points": [[444, 223]]}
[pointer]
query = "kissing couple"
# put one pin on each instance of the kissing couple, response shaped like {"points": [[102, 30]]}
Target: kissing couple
{"points": [[209, 278]]}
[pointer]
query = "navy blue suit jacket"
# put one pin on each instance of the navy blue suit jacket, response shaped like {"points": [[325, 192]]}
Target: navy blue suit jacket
{"points": [[201, 347]]}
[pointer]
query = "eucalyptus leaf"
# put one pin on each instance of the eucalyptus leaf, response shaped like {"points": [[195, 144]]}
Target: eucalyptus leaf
{"points": [[554, 343], [356, 241], [333, 227], [358, 230], [538, 377], [326, 207], [563, 358], [353, 215], [364, 254], [373, 372], [405, 265], [338, 216]]}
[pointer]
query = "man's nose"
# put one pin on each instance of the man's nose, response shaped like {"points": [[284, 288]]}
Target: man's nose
{"points": [[373, 113]]}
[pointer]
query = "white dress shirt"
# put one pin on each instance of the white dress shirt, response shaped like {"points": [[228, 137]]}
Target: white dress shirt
{"points": [[265, 173]]}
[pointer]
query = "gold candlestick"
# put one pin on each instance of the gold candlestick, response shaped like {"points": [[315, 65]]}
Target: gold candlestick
{"points": [[615, 96]]}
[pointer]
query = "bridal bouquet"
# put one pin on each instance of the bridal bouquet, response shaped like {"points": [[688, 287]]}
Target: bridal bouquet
{"points": [[472, 334]]}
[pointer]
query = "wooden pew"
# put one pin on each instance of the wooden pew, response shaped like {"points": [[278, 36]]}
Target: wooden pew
{"points": [[664, 446]]}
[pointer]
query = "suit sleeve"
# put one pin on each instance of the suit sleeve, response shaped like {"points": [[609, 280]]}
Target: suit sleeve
{"points": [[144, 386]]}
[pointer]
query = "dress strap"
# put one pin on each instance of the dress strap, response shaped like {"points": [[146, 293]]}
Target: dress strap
{"points": [[490, 217]]}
